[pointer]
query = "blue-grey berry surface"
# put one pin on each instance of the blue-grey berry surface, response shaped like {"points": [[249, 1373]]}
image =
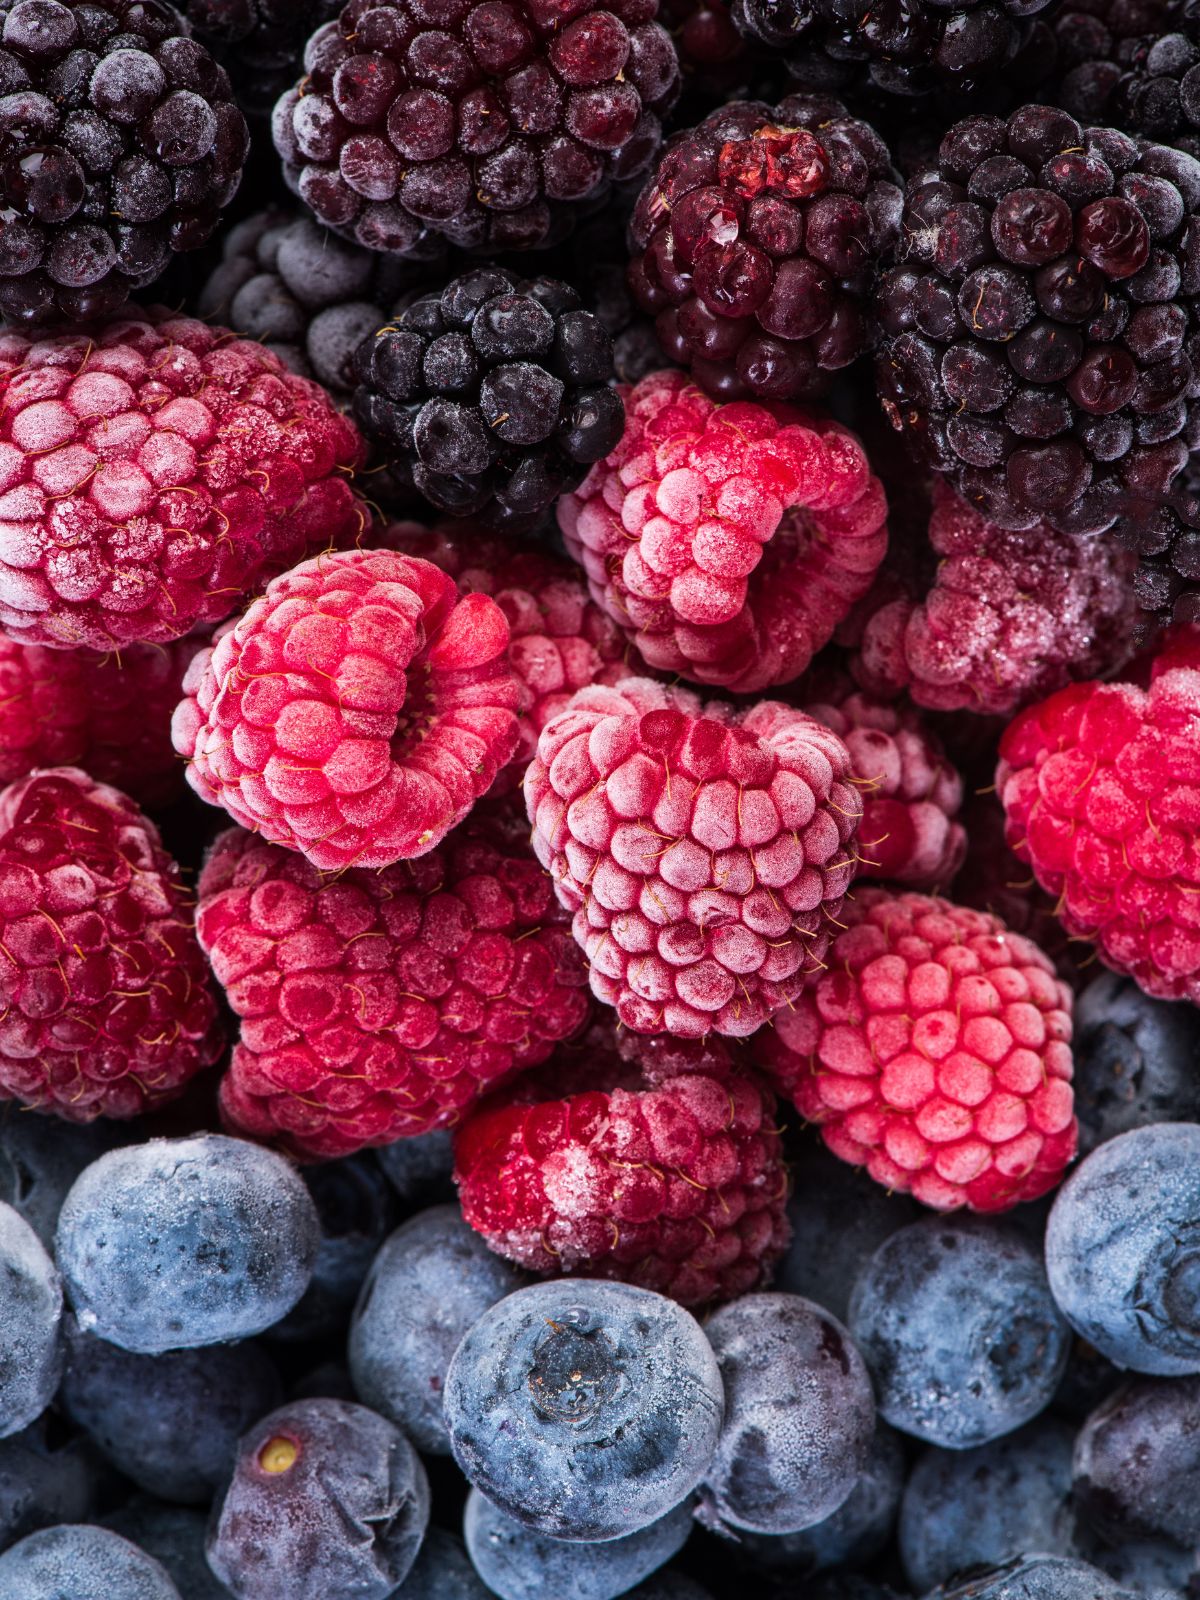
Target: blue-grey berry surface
{"points": [[47, 1475], [78, 1561], [420, 1169], [442, 1571], [40, 1158], [1032, 1577], [31, 1311], [174, 1536], [1137, 1060], [1137, 1463]]}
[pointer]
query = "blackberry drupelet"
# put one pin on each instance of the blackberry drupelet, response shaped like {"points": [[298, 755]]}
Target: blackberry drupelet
{"points": [[493, 397], [1040, 332], [1132, 63], [260, 43], [758, 238], [487, 121], [120, 143]]}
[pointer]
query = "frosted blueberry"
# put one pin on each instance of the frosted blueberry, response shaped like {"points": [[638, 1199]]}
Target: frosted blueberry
{"points": [[1137, 1463], [174, 1536], [75, 1561], [1137, 1060], [442, 1571], [420, 1169], [44, 1478], [31, 1307], [1034, 1577], [40, 1158]]}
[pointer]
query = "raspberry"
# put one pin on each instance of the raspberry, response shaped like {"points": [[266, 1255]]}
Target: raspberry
{"points": [[702, 850], [109, 715], [377, 1005], [911, 793], [1099, 785], [758, 237], [355, 713], [726, 540], [1010, 616], [1132, 63], [679, 1187], [152, 471], [935, 1051], [107, 1007], [121, 146], [490, 127]]}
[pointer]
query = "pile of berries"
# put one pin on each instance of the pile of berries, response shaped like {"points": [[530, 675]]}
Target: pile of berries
{"points": [[599, 799]]}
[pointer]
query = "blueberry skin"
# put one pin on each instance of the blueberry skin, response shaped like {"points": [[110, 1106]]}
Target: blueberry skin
{"points": [[76, 1561], [799, 1415], [668, 1586], [428, 1286], [1137, 1463], [421, 1169], [1137, 1060], [31, 1310], [174, 1536], [43, 1481], [1123, 1249], [442, 1571], [1035, 1577], [326, 1499], [584, 1409], [955, 1321], [1147, 1569], [40, 1158], [171, 1423], [964, 1508], [518, 1565], [186, 1242]]}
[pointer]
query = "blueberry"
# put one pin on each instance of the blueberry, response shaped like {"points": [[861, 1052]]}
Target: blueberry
{"points": [[584, 1409], [185, 1242], [1033, 1577], [76, 1561], [174, 1536], [420, 1169], [1137, 1060], [428, 1286], [955, 1321], [46, 1476], [31, 1309], [1161, 1571], [1137, 1462], [982, 1506], [799, 1415], [40, 1158], [171, 1423], [326, 1499], [519, 1565], [442, 1571], [1123, 1249]]}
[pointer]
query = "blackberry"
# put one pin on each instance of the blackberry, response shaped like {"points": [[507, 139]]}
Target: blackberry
{"points": [[1040, 330], [1134, 64], [260, 43], [488, 121], [119, 144], [758, 238], [493, 397]]}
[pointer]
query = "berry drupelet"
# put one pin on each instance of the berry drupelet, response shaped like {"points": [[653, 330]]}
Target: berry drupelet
{"points": [[1130, 63], [488, 121], [120, 143], [260, 43], [757, 239], [493, 397]]}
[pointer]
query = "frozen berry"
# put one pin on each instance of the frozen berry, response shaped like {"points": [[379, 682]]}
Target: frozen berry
{"points": [[84, 1562], [31, 1306]]}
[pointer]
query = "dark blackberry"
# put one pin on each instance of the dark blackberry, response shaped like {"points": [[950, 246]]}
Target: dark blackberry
{"points": [[493, 397], [490, 122], [260, 43], [758, 238], [119, 144], [1040, 329], [1134, 64]]}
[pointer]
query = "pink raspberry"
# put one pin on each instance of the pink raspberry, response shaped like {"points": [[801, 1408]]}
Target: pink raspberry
{"points": [[152, 471], [935, 1051], [107, 1010], [375, 1005], [356, 712], [1011, 615], [704, 851], [726, 540]]}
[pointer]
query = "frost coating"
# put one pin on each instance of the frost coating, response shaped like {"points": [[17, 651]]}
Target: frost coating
{"points": [[31, 1304], [1137, 1469], [82, 1562], [1035, 1577], [1137, 1060]]}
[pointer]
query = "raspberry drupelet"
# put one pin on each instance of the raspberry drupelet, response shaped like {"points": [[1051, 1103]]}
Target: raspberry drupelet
{"points": [[1099, 785], [356, 712], [703, 851], [757, 239], [935, 1051], [153, 470], [378, 1005], [727, 541], [107, 1010], [487, 121]]}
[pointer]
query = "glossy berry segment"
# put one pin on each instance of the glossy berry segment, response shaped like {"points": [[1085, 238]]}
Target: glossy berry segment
{"points": [[935, 1051], [153, 470], [378, 1005], [488, 122], [703, 852], [121, 145], [107, 1005], [355, 713], [757, 238], [728, 541], [1130, 63]]}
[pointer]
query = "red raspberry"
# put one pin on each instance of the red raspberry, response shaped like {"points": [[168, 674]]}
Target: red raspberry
{"points": [[356, 712], [109, 714], [936, 1052], [107, 1009], [376, 1005], [910, 792], [152, 471], [1101, 790], [1011, 615], [680, 1187], [728, 541], [702, 850]]}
